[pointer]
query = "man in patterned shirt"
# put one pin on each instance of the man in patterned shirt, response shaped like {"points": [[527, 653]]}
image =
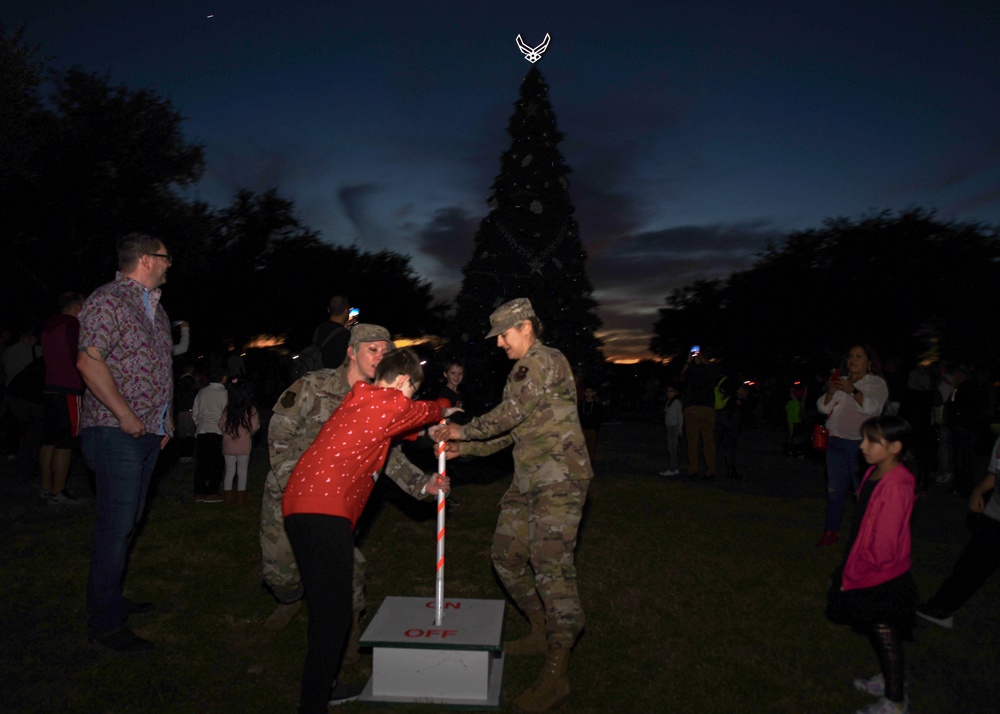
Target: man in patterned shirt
{"points": [[124, 359]]}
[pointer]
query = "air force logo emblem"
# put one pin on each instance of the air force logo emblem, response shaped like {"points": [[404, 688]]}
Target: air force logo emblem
{"points": [[533, 54]]}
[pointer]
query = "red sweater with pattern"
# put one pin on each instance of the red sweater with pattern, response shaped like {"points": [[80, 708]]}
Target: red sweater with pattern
{"points": [[336, 475]]}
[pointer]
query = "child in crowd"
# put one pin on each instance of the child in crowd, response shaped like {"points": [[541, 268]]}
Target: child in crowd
{"points": [[326, 493], [673, 419], [239, 423], [794, 410], [591, 414], [209, 406], [454, 373], [451, 393], [874, 591]]}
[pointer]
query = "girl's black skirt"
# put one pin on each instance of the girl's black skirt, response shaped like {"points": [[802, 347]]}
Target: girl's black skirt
{"points": [[890, 603]]}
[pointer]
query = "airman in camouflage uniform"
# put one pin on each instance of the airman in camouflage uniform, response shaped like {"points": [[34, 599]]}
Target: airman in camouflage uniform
{"points": [[299, 414], [540, 514]]}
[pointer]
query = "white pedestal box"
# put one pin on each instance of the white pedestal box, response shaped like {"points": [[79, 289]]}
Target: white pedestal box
{"points": [[459, 663]]}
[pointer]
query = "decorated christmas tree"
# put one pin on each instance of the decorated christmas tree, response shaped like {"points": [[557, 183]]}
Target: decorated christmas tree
{"points": [[528, 246]]}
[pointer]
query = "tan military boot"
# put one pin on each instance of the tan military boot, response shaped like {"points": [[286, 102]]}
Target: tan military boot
{"points": [[351, 654], [228, 499], [552, 686], [282, 615], [535, 642]]}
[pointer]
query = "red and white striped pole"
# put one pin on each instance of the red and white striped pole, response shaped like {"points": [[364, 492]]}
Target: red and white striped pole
{"points": [[439, 578]]}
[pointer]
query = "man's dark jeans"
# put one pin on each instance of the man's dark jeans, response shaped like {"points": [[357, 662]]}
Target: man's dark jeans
{"points": [[124, 467]]}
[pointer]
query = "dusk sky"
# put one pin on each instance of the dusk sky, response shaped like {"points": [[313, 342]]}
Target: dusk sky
{"points": [[696, 132]]}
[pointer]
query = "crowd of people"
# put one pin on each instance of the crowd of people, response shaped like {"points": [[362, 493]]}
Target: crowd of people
{"points": [[858, 415], [104, 369]]}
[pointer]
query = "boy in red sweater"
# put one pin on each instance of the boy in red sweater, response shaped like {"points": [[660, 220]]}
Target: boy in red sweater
{"points": [[325, 496]]}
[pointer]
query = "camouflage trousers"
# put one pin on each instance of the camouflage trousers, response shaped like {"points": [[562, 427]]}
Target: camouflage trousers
{"points": [[280, 571], [533, 554]]}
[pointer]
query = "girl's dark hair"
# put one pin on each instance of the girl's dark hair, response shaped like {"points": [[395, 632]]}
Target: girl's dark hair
{"points": [[892, 428], [240, 407], [401, 362]]}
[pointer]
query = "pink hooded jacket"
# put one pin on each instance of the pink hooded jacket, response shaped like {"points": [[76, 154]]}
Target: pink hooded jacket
{"points": [[881, 550]]}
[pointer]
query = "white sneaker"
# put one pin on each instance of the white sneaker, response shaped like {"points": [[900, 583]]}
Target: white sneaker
{"points": [[936, 615], [62, 497], [885, 706], [873, 685], [343, 692]]}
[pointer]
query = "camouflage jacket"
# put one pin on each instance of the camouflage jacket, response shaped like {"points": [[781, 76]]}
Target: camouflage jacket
{"points": [[538, 414], [302, 410]]}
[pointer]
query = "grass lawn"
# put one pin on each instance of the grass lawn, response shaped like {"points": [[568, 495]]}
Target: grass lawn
{"points": [[699, 597]]}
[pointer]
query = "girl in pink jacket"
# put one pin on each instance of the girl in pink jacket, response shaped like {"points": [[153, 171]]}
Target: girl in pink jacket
{"points": [[239, 423], [874, 591]]}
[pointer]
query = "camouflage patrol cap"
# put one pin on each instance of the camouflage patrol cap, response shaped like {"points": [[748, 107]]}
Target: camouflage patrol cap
{"points": [[509, 314], [370, 333]]}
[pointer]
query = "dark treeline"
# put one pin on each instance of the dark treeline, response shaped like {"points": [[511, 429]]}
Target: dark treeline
{"points": [[908, 283], [83, 162]]}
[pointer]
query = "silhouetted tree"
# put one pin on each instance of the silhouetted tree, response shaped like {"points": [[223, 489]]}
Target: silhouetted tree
{"points": [[117, 158], [262, 271], [22, 118], [528, 246], [80, 164], [889, 279], [695, 316]]}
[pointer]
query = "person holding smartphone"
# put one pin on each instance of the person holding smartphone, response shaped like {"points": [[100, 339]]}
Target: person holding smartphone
{"points": [[333, 336], [699, 378], [855, 392]]}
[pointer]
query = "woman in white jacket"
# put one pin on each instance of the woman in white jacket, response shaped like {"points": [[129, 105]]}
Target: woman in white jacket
{"points": [[849, 400]]}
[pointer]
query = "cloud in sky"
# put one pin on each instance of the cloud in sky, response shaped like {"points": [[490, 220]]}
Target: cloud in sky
{"points": [[632, 274], [448, 237], [635, 274], [355, 200]]}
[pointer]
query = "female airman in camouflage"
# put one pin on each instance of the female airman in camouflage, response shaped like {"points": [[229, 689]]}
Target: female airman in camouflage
{"points": [[540, 513]]}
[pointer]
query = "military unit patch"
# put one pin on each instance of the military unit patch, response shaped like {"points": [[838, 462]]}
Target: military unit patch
{"points": [[520, 374]]}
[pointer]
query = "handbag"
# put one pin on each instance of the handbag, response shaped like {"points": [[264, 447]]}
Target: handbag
{"points": [[821, 437]]}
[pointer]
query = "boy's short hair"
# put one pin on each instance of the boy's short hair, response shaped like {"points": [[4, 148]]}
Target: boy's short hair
{"points": [[216, 371], [401, 362]]}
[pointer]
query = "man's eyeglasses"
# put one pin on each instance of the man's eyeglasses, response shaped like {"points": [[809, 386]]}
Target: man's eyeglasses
{"points": [[166, 256]]}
